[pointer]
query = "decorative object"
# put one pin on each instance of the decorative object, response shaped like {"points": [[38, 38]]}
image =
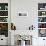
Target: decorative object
{"points": [[6, 7], [4, 29], [13, 27], [42, 32], [43, 13], [3, 13], [3, 19], [24, 37], [23, 40], [31, 27], [22, 14], [40, 25], [41, 19], [0, 7], [41, 6], [3, 6]]}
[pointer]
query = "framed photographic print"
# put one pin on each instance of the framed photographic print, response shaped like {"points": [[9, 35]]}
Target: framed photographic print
{"points": [[22, 14]]}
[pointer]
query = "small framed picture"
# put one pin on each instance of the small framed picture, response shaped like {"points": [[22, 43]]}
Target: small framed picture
{"points": [[22, 14]]}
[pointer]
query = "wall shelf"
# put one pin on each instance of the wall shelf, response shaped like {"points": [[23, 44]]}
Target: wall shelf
{"points": [[41, 28], [3, 22], [41, 10], [42, 16], [41, 22], [3, 16], [4, 19], [3, 10], [42, 19]]}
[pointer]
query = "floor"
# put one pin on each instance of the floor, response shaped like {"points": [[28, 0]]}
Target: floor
{"points": [[3, 45]]}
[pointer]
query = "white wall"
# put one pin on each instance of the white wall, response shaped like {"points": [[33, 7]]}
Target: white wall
{"points": [[29, 6], [22, 23]]}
